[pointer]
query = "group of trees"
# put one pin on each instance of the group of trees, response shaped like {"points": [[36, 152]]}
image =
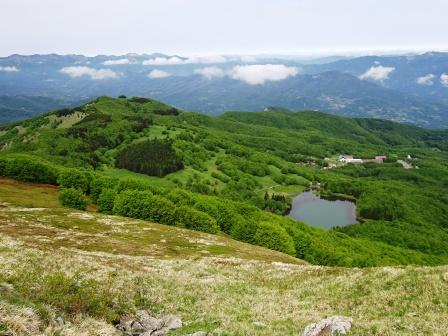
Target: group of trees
{"points": [[152, 157]]}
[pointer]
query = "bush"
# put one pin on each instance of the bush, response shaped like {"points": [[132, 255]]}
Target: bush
{"points": [[98, 184], [74, 178], [73, 198], [28, 170], [244, 231], [162, 210], [133, 203], [144, 205], [106, 201], [181, 197], [195, 220], [274, 237]]}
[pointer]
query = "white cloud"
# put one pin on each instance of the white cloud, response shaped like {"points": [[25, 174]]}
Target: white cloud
{"points": [[164, 61], [158, 74], [212, 59], [80, 71], [426, 80], [378, 73], [210, 72], [444, 79], [8, 69], [120, 61], [248, 59], [260, 73], [175, 60]]}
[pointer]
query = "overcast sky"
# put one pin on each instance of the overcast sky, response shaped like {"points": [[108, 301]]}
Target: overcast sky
{"points": [[196, 27]]}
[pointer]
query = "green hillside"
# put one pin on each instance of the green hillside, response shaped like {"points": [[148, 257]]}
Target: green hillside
{"points": [[234, 175]]}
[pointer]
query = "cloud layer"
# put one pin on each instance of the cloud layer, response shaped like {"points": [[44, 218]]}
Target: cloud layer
{"points": [[444, 79], [175, 60], [426, 80], [120, 61], [80, 71], [257, 74], [378, 73], [210, 72], [158, 74], [8, 69]]}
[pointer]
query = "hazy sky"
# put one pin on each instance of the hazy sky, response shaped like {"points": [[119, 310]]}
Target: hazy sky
{"points": [[221, 26]]}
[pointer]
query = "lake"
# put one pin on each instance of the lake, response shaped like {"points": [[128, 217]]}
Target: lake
{"points": [[316, 211]]}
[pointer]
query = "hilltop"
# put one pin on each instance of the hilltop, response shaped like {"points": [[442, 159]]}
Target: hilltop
{"points": [[239, 171]]}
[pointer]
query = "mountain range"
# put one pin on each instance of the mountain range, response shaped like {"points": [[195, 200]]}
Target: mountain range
{"points": [[406, 88]]}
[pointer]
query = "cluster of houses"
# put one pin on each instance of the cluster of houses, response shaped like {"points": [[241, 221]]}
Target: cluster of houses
{"points": [[350, 159]]}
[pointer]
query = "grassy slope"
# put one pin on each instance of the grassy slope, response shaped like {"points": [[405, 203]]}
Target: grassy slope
{"points": [[212, 282]]}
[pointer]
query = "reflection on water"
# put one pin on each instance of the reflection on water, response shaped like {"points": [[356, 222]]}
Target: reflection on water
{"points": [[316, 211]]}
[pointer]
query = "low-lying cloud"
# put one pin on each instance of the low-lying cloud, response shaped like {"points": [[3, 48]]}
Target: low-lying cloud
{"points": [[444, 79], [158, 74], [378, 73], [210, 72], [120, 61], [96, 74], [175, 60], [8, 69], [427, 80], [257, 74]]}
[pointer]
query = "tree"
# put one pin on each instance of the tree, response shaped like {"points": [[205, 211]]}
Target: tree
{"points": [[154, 157], [274, 237], [73, 198], [74, 178], [195, 220], [106, 200]]}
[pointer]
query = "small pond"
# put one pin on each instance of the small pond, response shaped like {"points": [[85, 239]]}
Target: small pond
{"points": [[316, 211]]}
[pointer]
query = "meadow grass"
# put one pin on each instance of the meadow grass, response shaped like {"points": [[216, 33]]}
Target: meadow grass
{"points": [[90, 269]]}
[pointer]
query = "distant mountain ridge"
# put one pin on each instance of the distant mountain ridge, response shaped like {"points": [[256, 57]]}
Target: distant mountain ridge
{"points": [[407, 89]]}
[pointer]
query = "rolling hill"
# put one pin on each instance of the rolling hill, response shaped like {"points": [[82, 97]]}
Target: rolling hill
{"points": [[232, 167]]}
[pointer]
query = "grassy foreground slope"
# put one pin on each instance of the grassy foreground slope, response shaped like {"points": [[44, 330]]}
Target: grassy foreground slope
{"points": [[90, 269]]}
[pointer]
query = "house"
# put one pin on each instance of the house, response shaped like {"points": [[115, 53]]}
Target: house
{"points": [[352, 160], [380, 158], [345, 158], [349, 159]]}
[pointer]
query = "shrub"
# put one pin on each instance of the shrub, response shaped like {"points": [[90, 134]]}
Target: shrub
{"points": [[74, 178], [73, 198], [28, 170], [162, 210], [98, 184], [244, 231], [132, 184], [133, 203], [195, 220], [274, 237], [106, 200], [144, 205], [181, 197]]}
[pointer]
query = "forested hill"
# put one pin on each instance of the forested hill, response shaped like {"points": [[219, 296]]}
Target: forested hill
{"points": [[235, 175]]}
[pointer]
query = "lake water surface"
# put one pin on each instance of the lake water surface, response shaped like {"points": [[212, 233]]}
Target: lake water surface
{"points": [[311, 209]]}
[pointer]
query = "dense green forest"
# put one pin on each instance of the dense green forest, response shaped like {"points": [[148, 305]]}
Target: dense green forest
{"points": [[235, 175]]}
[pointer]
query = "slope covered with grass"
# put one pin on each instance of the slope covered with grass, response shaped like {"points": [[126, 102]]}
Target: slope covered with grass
{"points": [[89, 269]]}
